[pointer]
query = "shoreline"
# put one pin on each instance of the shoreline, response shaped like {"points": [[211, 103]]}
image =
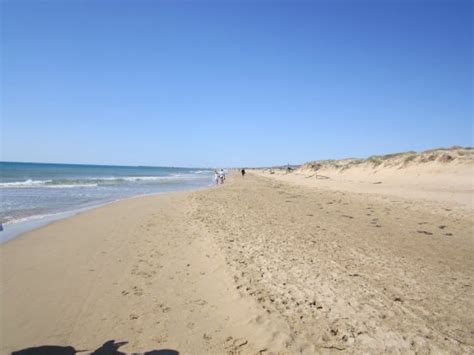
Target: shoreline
{"points": [[222, 271], [12, 230]]}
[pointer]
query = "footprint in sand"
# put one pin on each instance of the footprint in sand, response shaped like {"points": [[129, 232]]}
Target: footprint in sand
{"points": [[375, 222], [164, 308], [425, 232], [233, 345], [160, 339], [137, 291], [200, 302]]}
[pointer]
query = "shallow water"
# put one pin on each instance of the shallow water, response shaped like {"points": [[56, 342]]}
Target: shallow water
{"points": [[31, 192]]}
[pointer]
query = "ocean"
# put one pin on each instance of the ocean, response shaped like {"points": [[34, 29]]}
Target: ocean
{"points": [[32, 194]]}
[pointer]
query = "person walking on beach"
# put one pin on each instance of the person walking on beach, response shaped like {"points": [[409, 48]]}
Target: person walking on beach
{"points": [[243, 172], [216, 177], [222, 176]]}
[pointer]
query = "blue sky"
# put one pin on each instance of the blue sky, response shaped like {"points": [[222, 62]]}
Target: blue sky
{"points": [[233, 83]]}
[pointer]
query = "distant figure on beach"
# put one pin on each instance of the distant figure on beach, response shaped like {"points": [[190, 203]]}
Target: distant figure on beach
{"points": [[222, 176], [243, 172], [216, 177]]}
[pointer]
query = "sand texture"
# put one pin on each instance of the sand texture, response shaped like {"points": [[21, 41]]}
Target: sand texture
{"points": [[349, 271], [137, 271], [256, 265]]}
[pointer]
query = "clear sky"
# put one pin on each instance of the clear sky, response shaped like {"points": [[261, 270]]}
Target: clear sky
{"points": [[233, 83]]}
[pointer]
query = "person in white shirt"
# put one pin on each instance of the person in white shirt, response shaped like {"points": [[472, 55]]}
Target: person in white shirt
{"points": [[222, 176]]}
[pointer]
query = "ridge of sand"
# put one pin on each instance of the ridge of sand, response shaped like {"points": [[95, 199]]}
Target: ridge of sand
{"points": [[254, 265]]}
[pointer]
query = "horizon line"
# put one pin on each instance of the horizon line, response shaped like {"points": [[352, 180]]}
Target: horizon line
{"points": [[231, 167]]}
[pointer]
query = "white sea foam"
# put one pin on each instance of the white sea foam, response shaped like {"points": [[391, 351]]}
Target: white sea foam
{"points": [[27, 183], [159, 178], [29, 218], [66, 186], [97, 181], [44, 183]]}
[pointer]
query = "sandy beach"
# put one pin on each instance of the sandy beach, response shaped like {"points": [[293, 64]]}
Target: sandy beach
{"points": [[266, 263], [236, 177]]}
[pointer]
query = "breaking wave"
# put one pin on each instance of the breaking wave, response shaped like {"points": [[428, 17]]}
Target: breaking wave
{"points": [[102, 181]]}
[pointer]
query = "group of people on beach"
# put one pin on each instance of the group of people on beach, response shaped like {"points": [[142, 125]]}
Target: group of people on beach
{"points": [[219, 177]]}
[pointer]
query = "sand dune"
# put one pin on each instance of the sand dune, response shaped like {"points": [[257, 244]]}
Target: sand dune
{"points": [[442, 175]]}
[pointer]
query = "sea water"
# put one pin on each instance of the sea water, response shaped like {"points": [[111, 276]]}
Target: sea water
{"points": [[32, 194]]}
